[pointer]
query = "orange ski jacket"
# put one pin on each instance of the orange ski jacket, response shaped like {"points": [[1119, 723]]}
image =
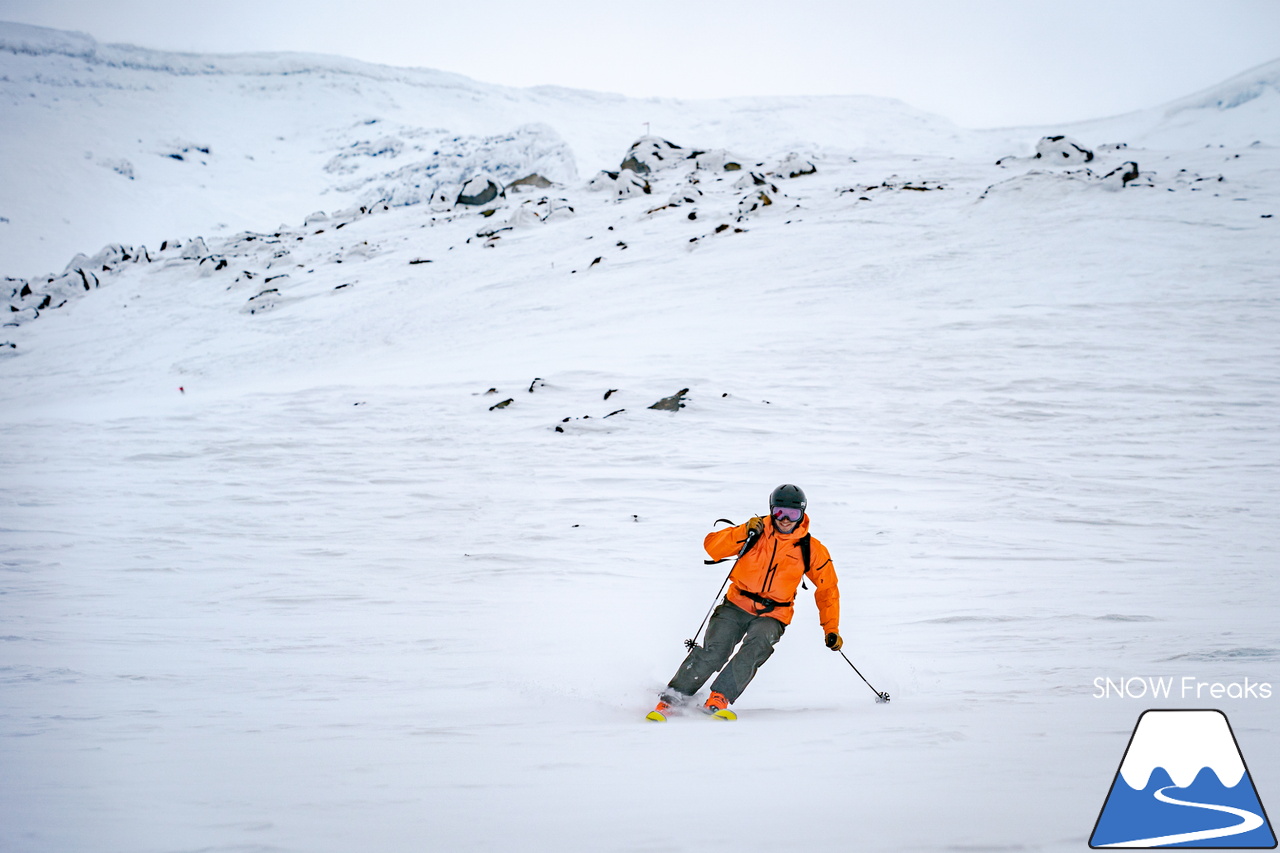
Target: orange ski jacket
{"points": [[765, 579]]}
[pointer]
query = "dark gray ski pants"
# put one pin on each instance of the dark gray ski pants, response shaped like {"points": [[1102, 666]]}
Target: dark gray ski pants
{"points": [[728, 626]]}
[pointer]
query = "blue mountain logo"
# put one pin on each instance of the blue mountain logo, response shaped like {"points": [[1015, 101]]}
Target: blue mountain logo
{"points": [[1183, 783]]}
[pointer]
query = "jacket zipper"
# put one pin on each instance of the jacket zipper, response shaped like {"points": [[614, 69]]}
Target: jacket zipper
{"points": [[773, 569]]}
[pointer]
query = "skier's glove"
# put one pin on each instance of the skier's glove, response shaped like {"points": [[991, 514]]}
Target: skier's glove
{"points": [[755, 527], [834, 642]]}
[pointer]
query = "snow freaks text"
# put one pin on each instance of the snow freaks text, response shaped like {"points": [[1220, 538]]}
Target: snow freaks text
{"points": [[1186, 687]]}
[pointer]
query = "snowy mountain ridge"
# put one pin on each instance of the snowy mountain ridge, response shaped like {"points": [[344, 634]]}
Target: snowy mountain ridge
{"points": [[1262, 81], [376, 162], [164, 160], [34, 41]]}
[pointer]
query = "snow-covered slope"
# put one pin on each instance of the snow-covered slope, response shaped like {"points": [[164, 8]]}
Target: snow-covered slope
{"points": [[359, 532], [1236, 113]]}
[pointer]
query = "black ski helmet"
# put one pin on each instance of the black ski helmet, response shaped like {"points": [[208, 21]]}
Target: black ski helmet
{"points": [[789, 496]]}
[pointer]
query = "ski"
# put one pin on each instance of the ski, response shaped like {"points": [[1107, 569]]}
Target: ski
{"points": [[657, 716]]}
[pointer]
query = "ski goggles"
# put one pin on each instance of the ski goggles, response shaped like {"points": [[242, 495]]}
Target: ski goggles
{"points": [[786, 513]]}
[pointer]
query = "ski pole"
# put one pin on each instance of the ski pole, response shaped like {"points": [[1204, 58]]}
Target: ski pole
{"points": [[881, 696], [692, 642]]}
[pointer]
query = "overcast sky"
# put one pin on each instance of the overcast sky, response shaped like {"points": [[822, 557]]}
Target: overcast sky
{"points": [[982, 63]]}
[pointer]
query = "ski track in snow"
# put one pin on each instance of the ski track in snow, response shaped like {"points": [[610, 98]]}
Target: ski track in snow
{"points": [[325, 598]]}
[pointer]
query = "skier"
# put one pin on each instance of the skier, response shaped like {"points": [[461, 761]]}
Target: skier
{"points": [[778, 553]]}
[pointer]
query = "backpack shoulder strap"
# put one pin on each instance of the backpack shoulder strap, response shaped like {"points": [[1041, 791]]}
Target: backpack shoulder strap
{"points": [[805, 551]]}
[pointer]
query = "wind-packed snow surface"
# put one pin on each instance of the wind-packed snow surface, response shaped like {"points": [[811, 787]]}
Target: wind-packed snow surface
{"points": [[358, 533]]}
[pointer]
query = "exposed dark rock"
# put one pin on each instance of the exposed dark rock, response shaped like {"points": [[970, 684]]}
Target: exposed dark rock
{"points": [[534, 181], [478, 191], [674, 403], [1126, 173], [621, 184], [651, 153], [794, 167], [1062, 149], [753, 202]]}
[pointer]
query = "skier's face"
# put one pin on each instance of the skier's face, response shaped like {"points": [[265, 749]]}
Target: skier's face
{"points": [[786, 519]]}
